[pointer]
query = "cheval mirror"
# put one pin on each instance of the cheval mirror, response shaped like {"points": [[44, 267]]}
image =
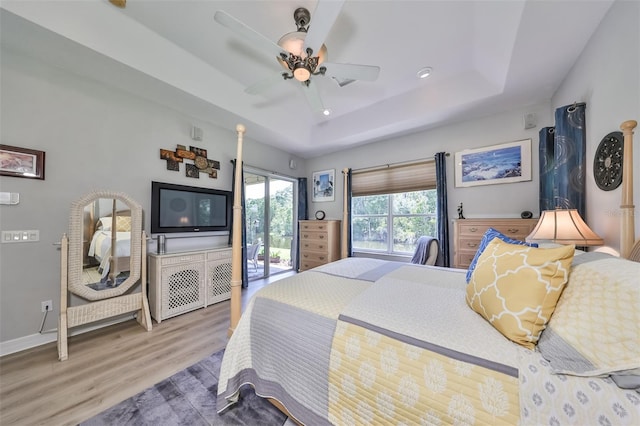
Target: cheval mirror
{"points": [[102, 260]]}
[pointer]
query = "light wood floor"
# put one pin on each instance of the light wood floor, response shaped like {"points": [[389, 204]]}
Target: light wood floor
{"points": [[108, 365]]}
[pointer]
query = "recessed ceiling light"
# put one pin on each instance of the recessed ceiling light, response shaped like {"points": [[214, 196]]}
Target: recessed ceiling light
{"points": [[327, 111], [424, 72]]}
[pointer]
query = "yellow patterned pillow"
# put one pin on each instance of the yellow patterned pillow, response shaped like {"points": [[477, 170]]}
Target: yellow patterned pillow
{"points": [[123, 223], [516, 288]]}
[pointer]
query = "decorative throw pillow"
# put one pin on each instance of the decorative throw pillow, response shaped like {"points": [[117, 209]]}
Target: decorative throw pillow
{"points": [[123, 223], [595, 329], [516, 287], [489, 235]]}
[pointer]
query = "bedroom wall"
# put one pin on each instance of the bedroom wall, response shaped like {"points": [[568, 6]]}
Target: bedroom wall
{"points": [[607, 78], [502, 200], [95, 137]]}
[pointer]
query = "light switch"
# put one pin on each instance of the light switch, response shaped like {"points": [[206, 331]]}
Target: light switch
{"points": [[29, 236]]}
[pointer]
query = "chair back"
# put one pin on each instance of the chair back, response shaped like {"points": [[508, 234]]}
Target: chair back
{"points": [[427, 249]]}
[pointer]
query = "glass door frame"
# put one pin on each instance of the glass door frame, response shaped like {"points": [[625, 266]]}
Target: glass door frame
{"points": [[269, 176]]}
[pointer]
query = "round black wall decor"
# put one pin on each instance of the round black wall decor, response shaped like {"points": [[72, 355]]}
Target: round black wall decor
{"points": [[607, 162]]}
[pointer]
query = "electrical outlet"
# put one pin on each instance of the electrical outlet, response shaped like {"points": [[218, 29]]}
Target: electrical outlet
{"points": [[47, 305]]}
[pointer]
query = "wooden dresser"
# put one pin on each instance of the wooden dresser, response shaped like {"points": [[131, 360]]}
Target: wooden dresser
{"points": [[319, 242], [467, 234]]}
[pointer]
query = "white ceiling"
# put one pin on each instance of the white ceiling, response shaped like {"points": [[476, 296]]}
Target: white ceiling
{"points": [[487, 57]]}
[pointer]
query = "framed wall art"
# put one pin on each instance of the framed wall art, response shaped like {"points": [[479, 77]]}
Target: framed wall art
{"points": [[21, 162], [323, 185], [504, 163]]}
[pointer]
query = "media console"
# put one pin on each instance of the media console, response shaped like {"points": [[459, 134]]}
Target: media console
{"points": [[184, 281]]}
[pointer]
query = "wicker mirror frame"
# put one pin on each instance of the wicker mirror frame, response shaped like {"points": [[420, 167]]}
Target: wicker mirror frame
{"points": [[76, 284]]}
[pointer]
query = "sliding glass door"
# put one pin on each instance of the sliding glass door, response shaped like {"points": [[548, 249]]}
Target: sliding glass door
{"points": [[270, 222]]}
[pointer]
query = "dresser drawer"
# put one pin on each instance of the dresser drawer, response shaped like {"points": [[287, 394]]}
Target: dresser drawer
{"points": [[309, 264], [469, 243], [314, 256], [514, 231], [313, 245], [182, 259], [313, 236], [463, 260], [314, 226]]}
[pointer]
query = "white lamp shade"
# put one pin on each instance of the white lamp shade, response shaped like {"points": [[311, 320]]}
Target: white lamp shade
{"points": [[564, 227]]}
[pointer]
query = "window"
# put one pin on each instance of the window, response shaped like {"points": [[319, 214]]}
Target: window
{"points": [[393, 206], [404, 216]]}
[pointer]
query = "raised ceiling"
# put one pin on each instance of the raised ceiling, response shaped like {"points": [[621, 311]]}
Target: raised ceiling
{"points": [[487, 57]]}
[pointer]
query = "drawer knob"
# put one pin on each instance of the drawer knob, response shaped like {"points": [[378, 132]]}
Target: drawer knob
{"points": [[305, 255], [321, 257], [321, 237], [474, 229], [513, 230], [472, 245], [306, 235]]}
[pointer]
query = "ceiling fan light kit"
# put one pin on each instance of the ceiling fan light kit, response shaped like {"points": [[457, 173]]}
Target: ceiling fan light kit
{"points": [[300, 61], [302, 53]]}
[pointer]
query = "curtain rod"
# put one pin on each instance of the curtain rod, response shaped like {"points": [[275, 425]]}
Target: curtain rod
{"points": [[400, 163]]}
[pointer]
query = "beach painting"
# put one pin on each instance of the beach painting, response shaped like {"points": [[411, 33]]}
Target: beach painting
{"points": [[504, 163]]}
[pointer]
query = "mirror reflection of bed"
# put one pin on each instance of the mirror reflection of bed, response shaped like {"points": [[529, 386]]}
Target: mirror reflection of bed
{"points": [[102, 264], [103, 269]]}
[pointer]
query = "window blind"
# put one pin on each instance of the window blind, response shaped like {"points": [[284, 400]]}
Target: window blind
{"points": [[392, 179]]}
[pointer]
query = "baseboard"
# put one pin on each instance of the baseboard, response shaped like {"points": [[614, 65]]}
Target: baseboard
{"points": [[48, 336]]}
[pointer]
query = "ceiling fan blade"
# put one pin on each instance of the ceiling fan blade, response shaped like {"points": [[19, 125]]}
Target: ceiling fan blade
{"points": [[351, 71], [258, 40], [264, 84], [313, 97], [322, 20]]}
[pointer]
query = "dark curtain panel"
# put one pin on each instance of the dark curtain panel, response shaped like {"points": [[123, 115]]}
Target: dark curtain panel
{"points": [[349, 204], [569, 157], [245, 272], [546, 154], [442, 209], [303, 214]]}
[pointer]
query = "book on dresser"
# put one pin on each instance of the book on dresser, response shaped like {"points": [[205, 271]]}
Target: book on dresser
{"points": [[467, 234], [319, 242]]}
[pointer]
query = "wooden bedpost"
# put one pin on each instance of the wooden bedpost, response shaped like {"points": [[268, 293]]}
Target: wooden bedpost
{"points": [[345, 214], [236, 247], [627, 209]]}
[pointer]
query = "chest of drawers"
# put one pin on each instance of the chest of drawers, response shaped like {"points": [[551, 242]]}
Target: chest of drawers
{"points": [[467, 234], [319, 242]]}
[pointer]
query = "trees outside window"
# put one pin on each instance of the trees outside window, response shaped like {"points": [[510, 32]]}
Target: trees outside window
{"points": [[392, 223]]}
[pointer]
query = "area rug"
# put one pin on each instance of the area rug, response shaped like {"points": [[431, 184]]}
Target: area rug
{"points": [[189, 398]]}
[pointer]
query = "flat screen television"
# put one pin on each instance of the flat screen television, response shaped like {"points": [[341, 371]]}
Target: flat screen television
{"points": [[181, 208]]}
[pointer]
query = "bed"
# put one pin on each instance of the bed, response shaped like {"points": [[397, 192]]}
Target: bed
{"points": [[367, 341], [103, 238]]}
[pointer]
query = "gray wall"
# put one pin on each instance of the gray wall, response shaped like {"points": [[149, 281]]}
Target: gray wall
{"points": [[605, 77], [95, 137]]}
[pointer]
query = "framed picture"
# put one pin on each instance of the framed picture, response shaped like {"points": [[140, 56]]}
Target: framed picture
{"points": [[505, 163], [323, 185], [21, 162]]}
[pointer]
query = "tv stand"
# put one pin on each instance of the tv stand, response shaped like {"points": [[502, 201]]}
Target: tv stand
{"points": [[184, 281]]}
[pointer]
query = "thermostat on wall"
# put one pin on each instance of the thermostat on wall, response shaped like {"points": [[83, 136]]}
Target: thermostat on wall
{"points": [[10, 198]]}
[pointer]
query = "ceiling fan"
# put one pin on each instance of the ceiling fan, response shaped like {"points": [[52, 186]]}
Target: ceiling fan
{"points": [[302, 53]]}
